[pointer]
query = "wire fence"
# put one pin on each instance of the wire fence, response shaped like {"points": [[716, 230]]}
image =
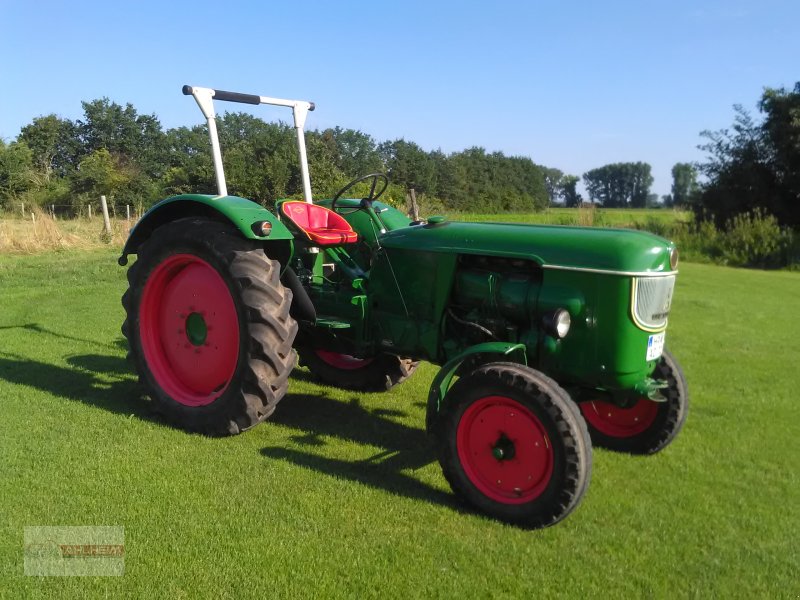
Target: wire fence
{"points": [[22, 210]]}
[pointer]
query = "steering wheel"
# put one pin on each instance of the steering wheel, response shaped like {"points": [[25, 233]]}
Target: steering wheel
{"points": [[371, 197]]}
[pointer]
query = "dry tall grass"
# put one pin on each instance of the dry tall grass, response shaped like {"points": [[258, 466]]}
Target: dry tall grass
{"points": [[42, 233], [586, 215]]}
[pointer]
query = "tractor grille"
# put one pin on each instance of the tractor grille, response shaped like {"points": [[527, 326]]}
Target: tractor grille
{"points": [[652, 298]]}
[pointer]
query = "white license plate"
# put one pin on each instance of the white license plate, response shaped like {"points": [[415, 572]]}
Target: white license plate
{"points": [[655, 346]]}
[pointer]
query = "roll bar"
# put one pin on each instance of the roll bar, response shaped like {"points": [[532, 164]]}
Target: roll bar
{"points": [[205, 100]]}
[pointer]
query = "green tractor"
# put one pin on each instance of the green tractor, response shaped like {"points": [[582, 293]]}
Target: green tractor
{"points": [[550, 339]]}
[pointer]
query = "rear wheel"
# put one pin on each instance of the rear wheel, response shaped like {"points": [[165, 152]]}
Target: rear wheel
{"points": [[374, 374], [512, 444], [208, 325], [645, 427]]}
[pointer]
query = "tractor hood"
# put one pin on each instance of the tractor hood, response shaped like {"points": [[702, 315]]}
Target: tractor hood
{"points": [[615, 251]]}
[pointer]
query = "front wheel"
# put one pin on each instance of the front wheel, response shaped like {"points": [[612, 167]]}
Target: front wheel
{"points": [[511, 443], [207, 321], [645, 427]]}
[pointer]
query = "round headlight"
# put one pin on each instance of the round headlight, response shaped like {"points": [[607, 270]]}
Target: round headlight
{"points": [[673, 258], [262, 228], [557, 323]]}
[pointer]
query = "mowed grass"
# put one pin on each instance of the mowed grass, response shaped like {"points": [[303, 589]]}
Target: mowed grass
{"points": [[338, 494]]}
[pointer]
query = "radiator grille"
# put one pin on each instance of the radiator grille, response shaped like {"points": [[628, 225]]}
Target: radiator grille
{"points": [[652, 300]]}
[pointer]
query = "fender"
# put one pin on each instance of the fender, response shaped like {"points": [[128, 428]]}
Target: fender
{"points": [[441, 383], [241, 213]]}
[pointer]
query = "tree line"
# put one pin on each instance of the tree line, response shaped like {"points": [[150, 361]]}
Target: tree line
{"points": [[116, 151]]}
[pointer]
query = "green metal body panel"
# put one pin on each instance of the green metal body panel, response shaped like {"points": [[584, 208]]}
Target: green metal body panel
{"points": [[548, 245], [441, 383], [240, 212]]}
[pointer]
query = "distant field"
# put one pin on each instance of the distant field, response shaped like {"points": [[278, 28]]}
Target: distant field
{"points": [[600, 217], [338, 495]]}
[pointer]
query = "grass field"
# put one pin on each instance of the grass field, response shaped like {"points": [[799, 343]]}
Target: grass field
{"points": [[337, 495], [599, 217]]}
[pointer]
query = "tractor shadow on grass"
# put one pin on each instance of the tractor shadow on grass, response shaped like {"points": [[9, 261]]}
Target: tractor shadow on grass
{"points": [[404, 448], [96, 380]]}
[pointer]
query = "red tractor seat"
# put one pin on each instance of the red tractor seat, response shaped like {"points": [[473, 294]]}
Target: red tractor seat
{"points": [[322, 226]]}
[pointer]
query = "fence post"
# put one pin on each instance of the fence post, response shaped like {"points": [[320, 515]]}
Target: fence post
{"points": [[106, 220], [90, 212], [128, 212], [22, 205], [414, 210]]}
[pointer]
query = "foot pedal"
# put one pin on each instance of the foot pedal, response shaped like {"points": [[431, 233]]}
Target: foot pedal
{"points": [[331, 323]]}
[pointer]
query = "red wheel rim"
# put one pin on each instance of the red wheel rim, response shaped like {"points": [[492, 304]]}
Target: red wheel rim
{"points": [[504, 450], [189, 330], [343, 361], [611, 420]]}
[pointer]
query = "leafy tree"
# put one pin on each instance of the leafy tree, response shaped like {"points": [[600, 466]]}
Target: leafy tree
{"points": [[409, 165], [16, 171], [355, 153], [101, 173], [54, 144], [552, 183], [189, 166], [620, 184], [123, 132], [569, 191], [327, 177], [260, 158], [756, 164], [684, 184], [494, 182]]}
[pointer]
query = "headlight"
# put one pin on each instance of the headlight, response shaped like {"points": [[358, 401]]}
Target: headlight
{"points": [[262, 228], [557, 323], [673, 258]]}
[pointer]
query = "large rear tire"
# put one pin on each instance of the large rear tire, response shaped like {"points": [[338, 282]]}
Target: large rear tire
{"points": [[646, 427], [374, 374], [512, 443], [208, 325]]}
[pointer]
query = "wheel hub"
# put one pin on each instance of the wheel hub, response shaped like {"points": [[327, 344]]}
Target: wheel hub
{"points": [[504, 450], [196, 329]]}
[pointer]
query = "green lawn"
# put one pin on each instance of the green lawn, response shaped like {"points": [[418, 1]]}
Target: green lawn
{"points": [[338, 494]]}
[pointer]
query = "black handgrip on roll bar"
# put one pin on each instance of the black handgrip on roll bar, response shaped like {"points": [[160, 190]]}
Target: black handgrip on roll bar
{"points": [[228, 96]]}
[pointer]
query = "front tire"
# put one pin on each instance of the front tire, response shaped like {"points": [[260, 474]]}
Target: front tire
{"points": [[646, 427], [511, 443], [207, 321]]}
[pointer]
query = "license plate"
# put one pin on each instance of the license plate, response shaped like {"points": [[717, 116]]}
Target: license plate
{"points": [[655, 346]]}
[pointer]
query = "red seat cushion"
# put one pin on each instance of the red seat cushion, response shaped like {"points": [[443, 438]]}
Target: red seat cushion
{"points": [[322, 226]]}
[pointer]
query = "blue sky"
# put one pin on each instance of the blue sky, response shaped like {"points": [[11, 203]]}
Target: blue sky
{"points": [[573, 85]]}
